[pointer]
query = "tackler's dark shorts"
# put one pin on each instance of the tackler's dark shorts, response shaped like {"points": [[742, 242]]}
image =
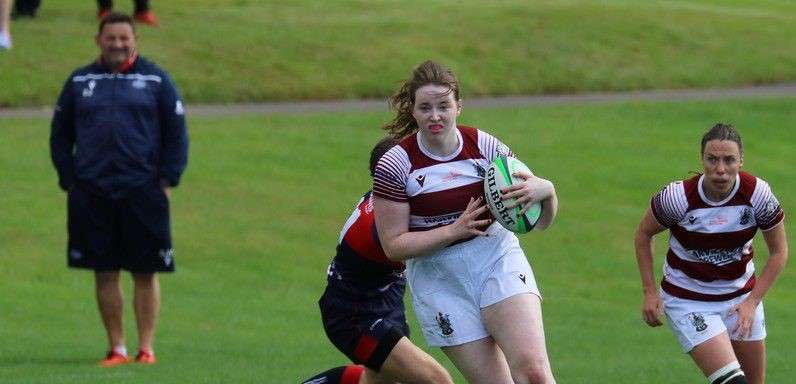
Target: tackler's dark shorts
{"points": [[365, 328], [133, 233]]}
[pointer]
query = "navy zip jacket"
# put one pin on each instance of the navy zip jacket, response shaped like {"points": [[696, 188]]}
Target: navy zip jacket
{"points": [[114, 132]]}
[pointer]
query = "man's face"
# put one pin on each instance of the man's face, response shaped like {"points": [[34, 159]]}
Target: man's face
{"points": [[117, 43]]}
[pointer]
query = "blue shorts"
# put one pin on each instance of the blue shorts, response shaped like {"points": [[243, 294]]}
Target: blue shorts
{"points": [[365, 327], [132, 233]]}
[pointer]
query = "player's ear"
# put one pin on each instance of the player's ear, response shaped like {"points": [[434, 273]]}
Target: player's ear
{"points": [[458, 107]]}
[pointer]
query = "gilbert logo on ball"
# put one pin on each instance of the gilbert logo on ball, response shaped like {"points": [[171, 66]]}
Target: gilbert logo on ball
{"points": [[498, 176]]}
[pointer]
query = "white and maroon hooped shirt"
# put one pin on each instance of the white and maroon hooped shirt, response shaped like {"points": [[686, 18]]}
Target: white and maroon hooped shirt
{"points": [[710, 243], [436, 188]]}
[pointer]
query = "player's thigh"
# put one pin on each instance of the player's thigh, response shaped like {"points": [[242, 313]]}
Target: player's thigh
{"points": [[517, 326], [408, 363], [752, 357], [480, 362], [713, 354]]}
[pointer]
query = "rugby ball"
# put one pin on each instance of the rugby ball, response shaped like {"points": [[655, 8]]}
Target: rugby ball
{"points": [[498, 176]]}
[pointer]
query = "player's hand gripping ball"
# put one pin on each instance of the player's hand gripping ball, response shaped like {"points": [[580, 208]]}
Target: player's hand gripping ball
{"points": [[499, 175]]}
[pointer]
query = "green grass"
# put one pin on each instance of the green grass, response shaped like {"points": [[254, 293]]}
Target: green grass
{"points": [[248, 50], [258, 214]]}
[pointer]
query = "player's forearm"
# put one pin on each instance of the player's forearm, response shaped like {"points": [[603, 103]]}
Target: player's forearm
{"points": [[644, 257], [549, 211], [417, 244], [774, 266]]}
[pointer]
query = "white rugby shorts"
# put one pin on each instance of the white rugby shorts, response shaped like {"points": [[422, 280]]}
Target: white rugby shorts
{"points": [[450, 287], [694, 322]]}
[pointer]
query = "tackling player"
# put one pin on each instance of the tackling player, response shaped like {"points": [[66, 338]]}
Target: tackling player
{"points": [[363, 309]]}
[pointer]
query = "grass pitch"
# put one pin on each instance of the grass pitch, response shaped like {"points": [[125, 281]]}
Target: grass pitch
{"points": [[257, 216], [249, 50]]}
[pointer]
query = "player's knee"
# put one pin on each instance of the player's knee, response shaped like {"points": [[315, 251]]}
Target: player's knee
{"points": [[434, 373], [536, 372], [729, 374]]}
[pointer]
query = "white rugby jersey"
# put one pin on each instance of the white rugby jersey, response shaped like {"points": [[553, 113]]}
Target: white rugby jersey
{"points": [[710, 243], [437, 188]]}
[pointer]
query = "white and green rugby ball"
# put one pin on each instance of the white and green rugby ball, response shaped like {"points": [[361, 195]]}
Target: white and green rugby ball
{"points": [[499, 175]]}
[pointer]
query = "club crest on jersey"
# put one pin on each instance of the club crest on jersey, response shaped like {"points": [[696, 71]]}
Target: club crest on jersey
{"points": [[698, 322], [444, 323], [745, 215], [479, 170]]}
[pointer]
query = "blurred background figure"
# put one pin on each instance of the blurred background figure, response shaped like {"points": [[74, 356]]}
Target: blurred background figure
{"points": [[25, 8], [142, 13], [5, 24]]}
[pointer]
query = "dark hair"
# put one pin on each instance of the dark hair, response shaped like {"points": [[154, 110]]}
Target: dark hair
{"points": [[722, 131], [114, 18], [427, 73], [379, 150]]}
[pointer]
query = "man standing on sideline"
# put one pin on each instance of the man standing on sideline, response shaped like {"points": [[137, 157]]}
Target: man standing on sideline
{"points": [[119, 143]]}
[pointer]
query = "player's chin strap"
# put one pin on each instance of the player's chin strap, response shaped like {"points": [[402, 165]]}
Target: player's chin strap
{"points": [[730, 374]]}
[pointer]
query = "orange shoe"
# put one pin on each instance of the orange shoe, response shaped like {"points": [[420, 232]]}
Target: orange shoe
{"points": [[103, 13], [145, 357], [113, 359], [146, 17]]}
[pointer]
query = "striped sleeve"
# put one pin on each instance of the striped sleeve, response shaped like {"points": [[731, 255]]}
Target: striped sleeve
{"points": [[768, 211], [491, 147], [670, 204], [389, 180]]}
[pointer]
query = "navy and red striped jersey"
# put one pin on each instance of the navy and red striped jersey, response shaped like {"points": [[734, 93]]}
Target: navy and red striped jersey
{"points": [[360, 263]]}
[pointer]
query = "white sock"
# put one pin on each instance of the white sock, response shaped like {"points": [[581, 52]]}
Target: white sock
{"points": [[122, 350], [725, 370]]}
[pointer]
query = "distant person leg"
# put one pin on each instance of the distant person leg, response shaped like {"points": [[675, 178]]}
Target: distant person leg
{"points": [[110, 300], [104, 8], [143, 14], [146, 302], [5, 24], [25, 8]]}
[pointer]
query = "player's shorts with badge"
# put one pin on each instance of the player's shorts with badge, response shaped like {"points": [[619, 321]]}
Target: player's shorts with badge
{"points": [[365, 327], [694, 322], [450, 288], [132, 233]]}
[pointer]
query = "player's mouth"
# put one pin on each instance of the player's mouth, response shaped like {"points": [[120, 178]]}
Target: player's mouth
{"points": [[721, 183], [435, 128]]}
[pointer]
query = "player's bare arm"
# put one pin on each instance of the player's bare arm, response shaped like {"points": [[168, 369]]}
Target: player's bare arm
{"points": [[652, 307], [778, 256], [392, 224]]}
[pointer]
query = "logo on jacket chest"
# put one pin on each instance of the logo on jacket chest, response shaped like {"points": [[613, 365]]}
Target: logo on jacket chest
{"points": [[88, 91], [138, 84]]}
